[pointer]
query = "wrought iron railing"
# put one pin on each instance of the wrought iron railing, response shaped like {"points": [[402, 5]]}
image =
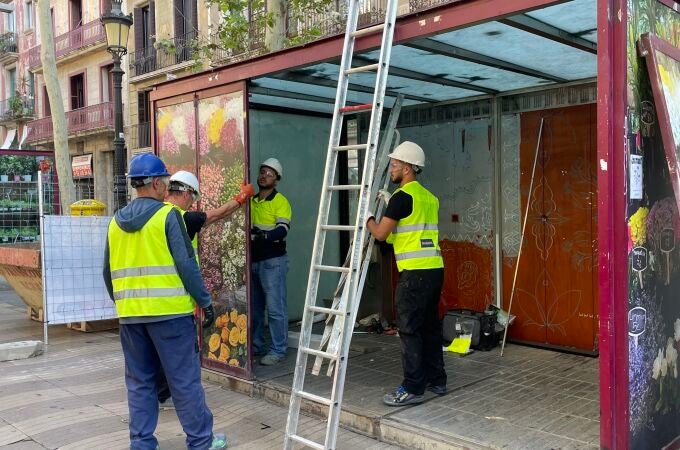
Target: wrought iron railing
{"points": [[8, 43], [138, 136], [310, 26], [81, 119], [17, 107], [76, 39], [163, 53]]}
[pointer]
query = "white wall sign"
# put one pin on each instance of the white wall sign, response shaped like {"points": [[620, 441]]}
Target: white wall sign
{"points": [[636, 177]]}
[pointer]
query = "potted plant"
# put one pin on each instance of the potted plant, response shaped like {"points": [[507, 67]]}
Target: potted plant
{"points": [[15, 105], [28, 167], [14, 167], [4, 168]]}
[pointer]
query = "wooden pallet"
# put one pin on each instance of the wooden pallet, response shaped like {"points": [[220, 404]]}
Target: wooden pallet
{"points": [[95, 325], [36, 315]]}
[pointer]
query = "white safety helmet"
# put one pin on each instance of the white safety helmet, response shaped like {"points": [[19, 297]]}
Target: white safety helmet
{"points": [[185, 181], [409, 152], [274, 164]]}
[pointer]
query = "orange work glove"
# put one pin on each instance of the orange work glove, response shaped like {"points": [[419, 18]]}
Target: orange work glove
{"points": [[247, 191]]}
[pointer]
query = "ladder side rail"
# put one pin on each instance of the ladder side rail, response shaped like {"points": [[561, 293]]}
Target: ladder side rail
{"points": [[319, 235], [332, 329], [360, 235]]}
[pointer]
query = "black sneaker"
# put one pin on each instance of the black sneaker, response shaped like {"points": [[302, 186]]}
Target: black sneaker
{"points": [[401, 397], [439, 390]]}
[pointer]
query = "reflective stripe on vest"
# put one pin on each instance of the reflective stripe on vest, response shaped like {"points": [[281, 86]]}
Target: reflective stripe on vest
{"points": [[416, 237], [143, 273]]}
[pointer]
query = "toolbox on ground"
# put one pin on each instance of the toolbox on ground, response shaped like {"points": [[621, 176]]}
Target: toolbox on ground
{"points": [[481, 325]]}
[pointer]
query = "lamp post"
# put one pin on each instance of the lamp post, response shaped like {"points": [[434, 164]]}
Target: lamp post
{"points": [[117, 26]]}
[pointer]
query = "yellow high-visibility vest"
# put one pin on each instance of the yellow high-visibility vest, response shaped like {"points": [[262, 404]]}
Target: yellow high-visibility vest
{"points": [[416, 237], [194, 241], [143, 272]]}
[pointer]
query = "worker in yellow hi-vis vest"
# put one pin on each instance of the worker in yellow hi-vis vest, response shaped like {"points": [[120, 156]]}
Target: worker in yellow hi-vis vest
{"points": [[410, 224], [270, 215], [183, 192], [151, 273]]}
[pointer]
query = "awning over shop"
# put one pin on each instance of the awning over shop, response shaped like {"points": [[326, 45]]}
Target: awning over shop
{"points": [[543, 47], [11, 134], [82, 166]]}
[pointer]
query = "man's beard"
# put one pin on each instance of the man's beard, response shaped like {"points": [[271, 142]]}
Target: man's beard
{"points": [[265, 185], [397, 179]]}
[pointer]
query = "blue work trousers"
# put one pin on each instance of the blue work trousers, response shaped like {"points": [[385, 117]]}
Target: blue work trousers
{"points": [[172, 345], [269, 288]]}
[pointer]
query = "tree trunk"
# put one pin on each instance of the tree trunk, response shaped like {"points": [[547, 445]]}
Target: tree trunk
{"points": [[67, 191], [276, 34]]}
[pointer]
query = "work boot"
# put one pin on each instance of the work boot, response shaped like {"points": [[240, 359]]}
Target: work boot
{"points": [[219, 442], [271, 359], [401, 397], [439, 390]]}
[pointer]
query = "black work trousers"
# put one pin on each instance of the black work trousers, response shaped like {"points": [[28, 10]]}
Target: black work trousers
{"points": [[417, 300]]}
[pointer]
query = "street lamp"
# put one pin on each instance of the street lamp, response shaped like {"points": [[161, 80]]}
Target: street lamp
{"points": [[117, 26]]}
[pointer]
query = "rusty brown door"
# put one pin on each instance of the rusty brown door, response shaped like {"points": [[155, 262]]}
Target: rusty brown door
{"points": [[556, 291]]}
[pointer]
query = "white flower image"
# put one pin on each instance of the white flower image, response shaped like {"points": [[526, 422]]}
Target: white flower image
{"points": [[656, 368], [676, 329]]}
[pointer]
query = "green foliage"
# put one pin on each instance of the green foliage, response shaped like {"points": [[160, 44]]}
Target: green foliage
{"points": [[17, 165], [238, 33]]}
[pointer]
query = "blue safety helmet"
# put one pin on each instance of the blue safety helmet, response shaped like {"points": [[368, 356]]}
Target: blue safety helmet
{"points": [[147, 165]]}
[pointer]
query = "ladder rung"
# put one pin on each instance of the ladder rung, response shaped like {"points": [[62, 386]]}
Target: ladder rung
{"points": [[357, 108], [369, 30], [342, 148], [318, 353], [337, 227], [314, 398], [332, 268], [344, 187], [329, 311], [366, 68], [306, 442]]}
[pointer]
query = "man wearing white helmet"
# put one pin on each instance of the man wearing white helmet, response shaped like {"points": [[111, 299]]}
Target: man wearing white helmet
{"points": [[410, 225], [183, 192], [270, 215]]}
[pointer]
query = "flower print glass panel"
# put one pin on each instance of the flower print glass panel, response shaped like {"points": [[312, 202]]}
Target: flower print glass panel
{"points": [[176, 136], [221, 148]]}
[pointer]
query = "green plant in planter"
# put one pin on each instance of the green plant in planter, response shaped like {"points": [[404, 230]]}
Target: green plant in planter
{"points": [[5, 164], [28, 165], [166, 45], [15, 105]]}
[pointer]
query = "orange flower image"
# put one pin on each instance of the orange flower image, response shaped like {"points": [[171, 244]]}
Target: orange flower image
{"points": [[225, 334], [243, 338], [211, 355], [224, 353], [234, 362], [242, 322], [234, 336], [233, 315], [214, 342]]}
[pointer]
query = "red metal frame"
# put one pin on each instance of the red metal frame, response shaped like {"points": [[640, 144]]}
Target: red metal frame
{"points": [[612, 63], [672, 4], [447, 17], [649, 44]]}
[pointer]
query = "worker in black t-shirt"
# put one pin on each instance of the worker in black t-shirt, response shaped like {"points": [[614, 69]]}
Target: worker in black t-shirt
{"points": [[410, 224], [183, 192]]}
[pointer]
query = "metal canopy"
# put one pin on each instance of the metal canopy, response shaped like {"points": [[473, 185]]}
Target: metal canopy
{"points": [[543, 47]]}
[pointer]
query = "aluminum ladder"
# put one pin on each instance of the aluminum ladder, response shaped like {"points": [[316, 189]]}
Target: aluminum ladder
{"points": [[343, 311]]}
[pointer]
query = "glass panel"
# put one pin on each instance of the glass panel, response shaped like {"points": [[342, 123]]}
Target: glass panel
{"points": [[222, 246], [176, 136]]}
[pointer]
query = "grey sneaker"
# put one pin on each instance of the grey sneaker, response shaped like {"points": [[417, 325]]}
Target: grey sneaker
{"points": [[271, 359], [219, 442], [439, 390], [401, 397], [168, 404]]}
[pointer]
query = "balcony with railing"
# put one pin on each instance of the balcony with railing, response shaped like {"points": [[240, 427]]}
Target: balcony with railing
{"points": [[138, 136], [8, 48], [17, 108], [76, 39], [306, 26], [164, 53], [89, 119]]}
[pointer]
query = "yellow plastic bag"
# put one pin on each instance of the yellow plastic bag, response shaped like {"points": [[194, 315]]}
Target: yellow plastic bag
{"points": [[461, 344]]}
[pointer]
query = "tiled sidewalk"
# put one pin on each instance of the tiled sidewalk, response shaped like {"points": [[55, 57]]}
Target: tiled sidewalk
{"points": [[73, 397]]}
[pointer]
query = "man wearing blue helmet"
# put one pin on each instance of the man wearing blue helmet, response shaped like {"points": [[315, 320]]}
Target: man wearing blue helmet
{"points": [[151, 273]]}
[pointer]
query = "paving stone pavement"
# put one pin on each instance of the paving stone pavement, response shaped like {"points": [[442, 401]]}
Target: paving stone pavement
{"points": [[73, 397]]}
